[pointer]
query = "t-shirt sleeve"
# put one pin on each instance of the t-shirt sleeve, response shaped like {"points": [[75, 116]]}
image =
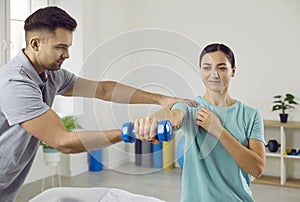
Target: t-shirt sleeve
{"points": [[67, 80], [182, 106], [21, 100], [257, 131]]}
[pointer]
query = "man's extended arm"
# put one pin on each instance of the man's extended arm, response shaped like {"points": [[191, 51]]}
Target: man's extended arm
{"points": [[49, 128], [120, 93]]}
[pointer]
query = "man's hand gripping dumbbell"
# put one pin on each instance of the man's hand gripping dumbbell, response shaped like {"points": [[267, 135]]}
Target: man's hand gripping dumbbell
{"points": [[156, 132]]}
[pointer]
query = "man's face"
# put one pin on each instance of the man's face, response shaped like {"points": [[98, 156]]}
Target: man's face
{"points": [[216, 71], [54, 49]]}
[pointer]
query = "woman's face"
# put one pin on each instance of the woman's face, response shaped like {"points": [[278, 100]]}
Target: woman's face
{"points": [[216, 71]]}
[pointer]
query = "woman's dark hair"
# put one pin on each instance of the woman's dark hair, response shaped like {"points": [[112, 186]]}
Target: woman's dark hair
{"points": [[50, 18], [218, 47]]}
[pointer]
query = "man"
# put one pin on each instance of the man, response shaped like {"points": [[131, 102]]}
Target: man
{"points": [[28, 85]]}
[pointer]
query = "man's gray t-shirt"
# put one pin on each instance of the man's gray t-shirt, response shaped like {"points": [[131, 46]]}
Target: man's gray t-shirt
{"points": [[23, 95]]}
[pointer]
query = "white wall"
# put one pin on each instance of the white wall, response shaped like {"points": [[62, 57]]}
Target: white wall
{"points": [[263, 34]]}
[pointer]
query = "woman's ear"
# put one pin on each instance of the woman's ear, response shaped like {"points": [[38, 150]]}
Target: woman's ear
{"points": [[233, 71]]}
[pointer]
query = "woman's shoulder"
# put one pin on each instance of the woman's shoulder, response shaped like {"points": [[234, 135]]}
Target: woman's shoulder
{"points": [[250, 110], [200, 100], [247, 106]]}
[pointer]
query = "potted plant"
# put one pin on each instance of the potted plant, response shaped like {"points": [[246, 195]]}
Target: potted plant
{"points": [[52, 155], [283, 103]]}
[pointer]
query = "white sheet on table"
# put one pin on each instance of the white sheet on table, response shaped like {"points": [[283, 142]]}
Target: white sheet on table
{"points": [[118, 195], [99, 194]]}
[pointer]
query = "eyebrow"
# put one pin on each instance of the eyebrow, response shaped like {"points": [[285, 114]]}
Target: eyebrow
{"points": [[221, 64], [206, 64], [61, 44]]}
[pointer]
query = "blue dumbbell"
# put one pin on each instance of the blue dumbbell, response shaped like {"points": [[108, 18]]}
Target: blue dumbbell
{"points": [[164, 131]]}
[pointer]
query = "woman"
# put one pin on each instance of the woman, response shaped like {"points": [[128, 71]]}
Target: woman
{"points": [[224, 137]]}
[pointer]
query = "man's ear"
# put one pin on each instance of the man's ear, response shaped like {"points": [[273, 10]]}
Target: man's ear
{"points": [[35, 43], [233, 71]]}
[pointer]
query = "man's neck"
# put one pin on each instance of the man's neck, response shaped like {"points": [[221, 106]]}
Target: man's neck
{"points": [[33, 61]]}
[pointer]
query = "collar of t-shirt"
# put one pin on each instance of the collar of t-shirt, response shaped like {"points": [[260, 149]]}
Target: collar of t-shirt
{"points": [[29, 70]]}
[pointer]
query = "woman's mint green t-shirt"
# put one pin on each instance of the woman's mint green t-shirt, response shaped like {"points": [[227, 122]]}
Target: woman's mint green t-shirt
{"points": [[209, 172]]}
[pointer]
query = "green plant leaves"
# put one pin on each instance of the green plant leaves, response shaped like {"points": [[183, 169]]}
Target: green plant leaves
{"points": [[277, 96], [283, 103], [70, 123]]}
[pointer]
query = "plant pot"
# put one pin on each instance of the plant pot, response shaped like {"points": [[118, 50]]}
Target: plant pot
{"points": [[51, 156], [283, 118]]}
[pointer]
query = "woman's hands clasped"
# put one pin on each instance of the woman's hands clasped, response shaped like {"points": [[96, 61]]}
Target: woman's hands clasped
{"points": [[209, 121]]}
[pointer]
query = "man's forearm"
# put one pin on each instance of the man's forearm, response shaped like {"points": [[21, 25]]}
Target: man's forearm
{"points": [[120, 93], [90, 140], [113, 91], [174, 116]]}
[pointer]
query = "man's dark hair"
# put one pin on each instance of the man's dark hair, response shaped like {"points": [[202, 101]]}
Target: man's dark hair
{"points": [[50, 18], [218, 47]]}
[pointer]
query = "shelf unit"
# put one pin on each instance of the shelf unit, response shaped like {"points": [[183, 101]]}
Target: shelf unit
{"points": [[282, 180]]}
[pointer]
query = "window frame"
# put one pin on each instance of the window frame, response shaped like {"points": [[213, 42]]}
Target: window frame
{"points": [[5, 26], [5, 32]]}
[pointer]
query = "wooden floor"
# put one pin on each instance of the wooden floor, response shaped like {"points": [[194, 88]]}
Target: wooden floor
{"points": [[271, 180]]}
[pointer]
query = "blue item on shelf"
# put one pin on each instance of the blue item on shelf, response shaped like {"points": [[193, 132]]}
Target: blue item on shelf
{"points": [[157, 155], [293, 152], [95, 158]]}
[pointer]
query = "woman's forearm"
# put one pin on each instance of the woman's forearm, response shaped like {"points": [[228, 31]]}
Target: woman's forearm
{"points": [[247, 159]]}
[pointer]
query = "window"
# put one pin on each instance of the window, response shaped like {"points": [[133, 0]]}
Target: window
{"points": [[3, 31], [13, 14]]}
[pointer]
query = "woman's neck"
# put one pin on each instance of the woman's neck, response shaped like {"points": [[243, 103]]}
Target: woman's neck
{"points": [[219, 99]]}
